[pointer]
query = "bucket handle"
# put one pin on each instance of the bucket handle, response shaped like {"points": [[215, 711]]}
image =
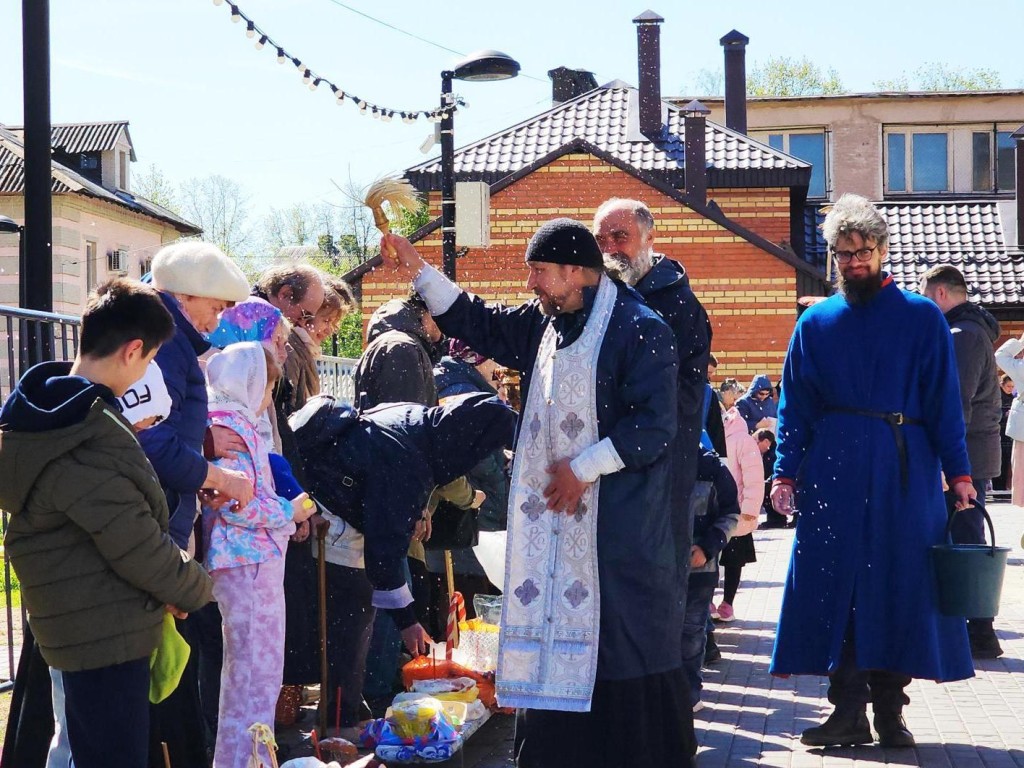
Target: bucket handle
{"points": [[978, 504]]}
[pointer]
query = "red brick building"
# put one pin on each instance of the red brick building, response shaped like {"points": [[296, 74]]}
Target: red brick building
{"points": [[731, 220]]}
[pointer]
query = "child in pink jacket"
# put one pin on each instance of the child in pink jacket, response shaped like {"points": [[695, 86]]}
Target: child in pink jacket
{"points": [[245, 555], [744, 461]]}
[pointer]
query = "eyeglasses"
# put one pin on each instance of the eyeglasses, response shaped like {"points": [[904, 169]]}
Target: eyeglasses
{"points": [[861, 254]]}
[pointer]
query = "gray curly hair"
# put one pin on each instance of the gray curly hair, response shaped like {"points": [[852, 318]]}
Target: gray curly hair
{"points": [[853, 213]]}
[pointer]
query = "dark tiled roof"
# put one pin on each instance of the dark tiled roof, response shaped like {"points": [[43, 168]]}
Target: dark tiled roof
{"points": [[606, 118], [969, 234], [65, 181], [84, 137]]}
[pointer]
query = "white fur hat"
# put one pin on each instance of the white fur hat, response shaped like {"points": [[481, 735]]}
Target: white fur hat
{"points": [[146, 397], [195, 268]]}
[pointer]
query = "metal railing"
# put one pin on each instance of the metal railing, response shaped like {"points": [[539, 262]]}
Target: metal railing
{"points": [[337, 377], [25, 335]]}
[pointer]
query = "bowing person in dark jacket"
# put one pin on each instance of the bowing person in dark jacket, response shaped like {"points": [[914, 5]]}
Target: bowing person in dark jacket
{"points": [[373, 473]]}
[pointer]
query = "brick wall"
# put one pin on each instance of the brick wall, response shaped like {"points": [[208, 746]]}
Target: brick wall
{"points": [[749, 294]]}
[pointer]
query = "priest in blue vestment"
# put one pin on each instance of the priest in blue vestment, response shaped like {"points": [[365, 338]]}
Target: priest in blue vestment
{"points": [[588, 645], [869, 421]]}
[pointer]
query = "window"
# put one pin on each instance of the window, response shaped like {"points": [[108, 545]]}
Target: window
{"points": [[90, 265], [952, 158], [809, 146], [123, 170], [1005, 154]]}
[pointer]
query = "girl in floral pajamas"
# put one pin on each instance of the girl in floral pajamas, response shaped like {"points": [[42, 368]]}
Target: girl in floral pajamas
{"points": [[245, 556]]}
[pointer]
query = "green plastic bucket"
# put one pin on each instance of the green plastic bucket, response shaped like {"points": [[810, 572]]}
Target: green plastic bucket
{"points": [[970, 576]]}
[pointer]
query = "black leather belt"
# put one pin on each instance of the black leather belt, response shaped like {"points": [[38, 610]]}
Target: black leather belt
{"points": [[895, 421]]}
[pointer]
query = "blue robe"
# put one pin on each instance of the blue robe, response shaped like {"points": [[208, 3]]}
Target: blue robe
{"points": [[862, 540], [636, 405]]}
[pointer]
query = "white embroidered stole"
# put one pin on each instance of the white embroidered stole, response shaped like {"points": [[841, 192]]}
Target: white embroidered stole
{"points": [[551, 616]]}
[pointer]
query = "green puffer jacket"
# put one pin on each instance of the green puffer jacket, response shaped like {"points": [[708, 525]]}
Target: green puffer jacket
{"points": [[88, 540]]}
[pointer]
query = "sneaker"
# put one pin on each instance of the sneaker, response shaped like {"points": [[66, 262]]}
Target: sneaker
{"points": [[725, 612], [714, 613]]}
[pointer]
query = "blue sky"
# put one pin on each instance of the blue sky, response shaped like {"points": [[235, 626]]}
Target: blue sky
{"points": [[201, 100]]}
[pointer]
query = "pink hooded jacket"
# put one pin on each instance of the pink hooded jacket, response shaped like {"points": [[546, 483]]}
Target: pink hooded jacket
{"points": [[744, 461]]}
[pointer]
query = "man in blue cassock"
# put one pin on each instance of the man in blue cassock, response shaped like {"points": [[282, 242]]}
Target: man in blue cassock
{"points": [[590, 621], [869, 419]]}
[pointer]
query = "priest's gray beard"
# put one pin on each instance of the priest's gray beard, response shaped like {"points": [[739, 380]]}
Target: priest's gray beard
{"points": [[619, 267], [859, 290]]}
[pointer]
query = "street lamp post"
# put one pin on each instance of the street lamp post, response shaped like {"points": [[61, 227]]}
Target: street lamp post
{"points": [[482, 65]]}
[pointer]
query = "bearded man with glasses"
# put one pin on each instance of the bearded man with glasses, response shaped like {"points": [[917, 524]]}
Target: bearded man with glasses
{"points": [[869, 417]]}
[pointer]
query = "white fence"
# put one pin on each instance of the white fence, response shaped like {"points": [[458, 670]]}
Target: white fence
{"points": [[337, 377]]}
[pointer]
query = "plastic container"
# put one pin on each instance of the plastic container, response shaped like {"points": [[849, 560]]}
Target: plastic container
{"points": [[488, 608], [970, 576]]}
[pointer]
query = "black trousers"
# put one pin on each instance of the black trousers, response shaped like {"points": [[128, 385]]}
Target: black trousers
{"points": [[637, 722], [850, 687], [107, 711]]}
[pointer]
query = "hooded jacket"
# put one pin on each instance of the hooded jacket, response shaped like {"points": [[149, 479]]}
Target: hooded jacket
{"points": [[88, 529], [974, 334], [376, 470], [753, 410], [747, 469], [396, 366], [716, 512]]}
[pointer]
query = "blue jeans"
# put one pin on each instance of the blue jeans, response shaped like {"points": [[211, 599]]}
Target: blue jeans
{"points": [[384, 654], [695, 623]]}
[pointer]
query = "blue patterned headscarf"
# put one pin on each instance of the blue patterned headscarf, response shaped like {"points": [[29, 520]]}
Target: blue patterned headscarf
{"points": [[252, 320]]}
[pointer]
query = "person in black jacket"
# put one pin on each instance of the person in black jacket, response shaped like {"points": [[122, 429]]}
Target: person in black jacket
{"points": [[974, 331], [373, 473], [714, 505]]}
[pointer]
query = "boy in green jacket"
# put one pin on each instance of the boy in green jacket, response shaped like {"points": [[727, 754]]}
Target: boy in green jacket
{"points": [[88, 528]]}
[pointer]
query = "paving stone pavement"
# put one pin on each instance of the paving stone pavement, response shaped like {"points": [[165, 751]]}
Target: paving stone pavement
{"points": [[752, 719]]}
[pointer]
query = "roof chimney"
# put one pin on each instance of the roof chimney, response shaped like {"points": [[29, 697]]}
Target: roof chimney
{"points": [[695, 119], [735, 45], [648, 42], [1018, 137], [567, 84]]}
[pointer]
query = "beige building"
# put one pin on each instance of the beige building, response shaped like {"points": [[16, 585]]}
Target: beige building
{"points": [[889, 146], [100, 228]]}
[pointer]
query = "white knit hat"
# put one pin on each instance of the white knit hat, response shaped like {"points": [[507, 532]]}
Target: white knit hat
{"points": [[195, 268], [146, 397]]}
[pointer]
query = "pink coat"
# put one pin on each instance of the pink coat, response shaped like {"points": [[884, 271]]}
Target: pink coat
{"points": [[744, 461]]}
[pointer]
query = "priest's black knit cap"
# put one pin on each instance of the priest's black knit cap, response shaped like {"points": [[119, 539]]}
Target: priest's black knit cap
{"points": [[564, 241]]}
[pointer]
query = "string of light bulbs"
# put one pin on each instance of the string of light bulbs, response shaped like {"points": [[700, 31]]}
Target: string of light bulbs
{"points": [[313, 80]]}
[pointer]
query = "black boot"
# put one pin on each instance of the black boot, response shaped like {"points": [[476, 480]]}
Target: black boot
{"points": [[844, 728], [892, 729], [984, 643]]}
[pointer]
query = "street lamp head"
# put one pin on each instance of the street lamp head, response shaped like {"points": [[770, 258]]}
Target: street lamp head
{"points": [[486, 65], [9, 225]]}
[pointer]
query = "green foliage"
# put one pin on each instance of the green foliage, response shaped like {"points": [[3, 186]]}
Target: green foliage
{"points": [[936, 76], [410, 221], [350, 337], [900, 83], [786, 76]]}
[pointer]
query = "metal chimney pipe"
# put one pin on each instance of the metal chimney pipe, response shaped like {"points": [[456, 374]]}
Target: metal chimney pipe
{"points": [[648, 43], [735, 45], [695, 118]]}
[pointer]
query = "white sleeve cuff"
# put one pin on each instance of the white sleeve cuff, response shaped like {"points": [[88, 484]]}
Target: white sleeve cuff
{"points": [[437, 290], [599, 459], [392, 598]]}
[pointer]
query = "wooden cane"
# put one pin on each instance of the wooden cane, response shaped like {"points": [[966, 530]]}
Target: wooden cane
{"points": [[321, 572]]}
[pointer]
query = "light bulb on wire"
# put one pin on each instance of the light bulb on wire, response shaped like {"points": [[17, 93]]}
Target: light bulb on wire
{"points": [[250, 30]]}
